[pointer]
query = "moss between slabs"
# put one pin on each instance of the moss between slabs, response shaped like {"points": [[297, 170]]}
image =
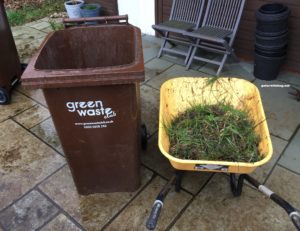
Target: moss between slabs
{"points": [[214, 132]]}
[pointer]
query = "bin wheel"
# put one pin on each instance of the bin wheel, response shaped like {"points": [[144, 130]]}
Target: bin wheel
{"points": [[23, 67], [4, 96], [144, 140]]}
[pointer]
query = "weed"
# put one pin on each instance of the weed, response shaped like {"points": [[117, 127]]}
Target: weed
{"points": [[55, 25], [32, 13]]}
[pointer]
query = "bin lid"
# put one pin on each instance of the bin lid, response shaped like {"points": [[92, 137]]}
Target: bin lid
{"points": [[36, 77]]}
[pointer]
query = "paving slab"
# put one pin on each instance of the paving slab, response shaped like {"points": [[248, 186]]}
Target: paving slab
{"points": [[196, 64], [216, 209], [92, 211], [229, 70], [286, 184], [150, 53], [150, 48], [152, 39], [32, 116], [150, 107], [24, 34], [29, 213], [47, 29], [29, 24], [289, 77], [24, 161], [46, 131], [261, 173], [280, 108], [180, 59], [155, 67], [55, 19], [291, 156], [37, 94], [27, 50], [135, 215], [60, 222], [39, 25], [237, 70], [247, 65], [152, 158], [18, 104], [175, 58], [173, 72]]}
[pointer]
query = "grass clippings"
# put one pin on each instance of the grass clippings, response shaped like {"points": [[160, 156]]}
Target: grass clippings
{"points": [[213, 132]]}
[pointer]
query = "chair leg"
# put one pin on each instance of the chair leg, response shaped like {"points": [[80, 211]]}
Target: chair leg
{"points": [[188, 55], [222, 64], [194, 49], [163, 44]]}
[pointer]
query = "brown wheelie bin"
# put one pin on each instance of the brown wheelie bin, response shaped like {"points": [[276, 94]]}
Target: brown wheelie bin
{"points": [[10, 68], [90, 78]]}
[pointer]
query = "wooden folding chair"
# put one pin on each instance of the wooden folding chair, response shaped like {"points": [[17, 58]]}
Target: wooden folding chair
{"points": [[185, 15], [218, 30]]}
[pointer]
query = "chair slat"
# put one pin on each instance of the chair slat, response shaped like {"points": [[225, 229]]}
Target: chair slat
{"points": [[186, 10], [219, 26], [185, 15]]}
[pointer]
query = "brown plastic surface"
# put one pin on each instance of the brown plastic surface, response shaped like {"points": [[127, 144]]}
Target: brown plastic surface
{"points": [[10, 68], [90, 78], [106, 54], [103, 154]]}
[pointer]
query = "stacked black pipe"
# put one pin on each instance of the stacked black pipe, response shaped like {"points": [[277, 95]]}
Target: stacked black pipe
{"points": [[271, 40]]}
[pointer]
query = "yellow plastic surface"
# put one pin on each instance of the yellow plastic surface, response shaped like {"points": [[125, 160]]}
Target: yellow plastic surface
{"points": [[176, 95]]}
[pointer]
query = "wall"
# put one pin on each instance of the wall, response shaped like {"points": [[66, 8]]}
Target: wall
{"points": [[244, 44], [140, 13]]}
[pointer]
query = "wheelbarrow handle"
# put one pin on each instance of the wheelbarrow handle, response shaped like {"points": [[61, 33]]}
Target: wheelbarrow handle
{"points": [[105, 19], [295, 217], [290, 210], [159, 203], [153, 218]]}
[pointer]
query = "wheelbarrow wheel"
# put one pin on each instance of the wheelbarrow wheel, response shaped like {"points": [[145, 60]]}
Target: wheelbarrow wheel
{"points": [[4, 96], [144, 134]]}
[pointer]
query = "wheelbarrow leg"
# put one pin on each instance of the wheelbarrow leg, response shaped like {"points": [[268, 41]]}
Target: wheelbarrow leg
{"points": [[236, 187], [178, 180]]}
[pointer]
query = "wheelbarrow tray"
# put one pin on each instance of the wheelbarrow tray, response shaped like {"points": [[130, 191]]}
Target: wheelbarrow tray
{"points": [[178, 94]]}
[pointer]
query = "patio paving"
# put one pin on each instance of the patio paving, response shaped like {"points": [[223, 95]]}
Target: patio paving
{"points": [[37, 191]]}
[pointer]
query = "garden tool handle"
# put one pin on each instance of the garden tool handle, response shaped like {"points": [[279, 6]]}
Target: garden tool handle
{"points": [[106, 19], [152, 220], [295, 217]]}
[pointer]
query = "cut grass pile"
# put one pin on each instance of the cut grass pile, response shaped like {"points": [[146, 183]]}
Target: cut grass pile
{"points": [[213, 132], [29, 13]]}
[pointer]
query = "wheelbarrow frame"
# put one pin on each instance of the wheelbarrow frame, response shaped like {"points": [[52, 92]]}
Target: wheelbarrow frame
{"points": [[190, 86]]}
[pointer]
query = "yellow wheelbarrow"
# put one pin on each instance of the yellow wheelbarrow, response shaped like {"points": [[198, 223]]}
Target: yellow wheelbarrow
{"points": [[176, 95]]}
